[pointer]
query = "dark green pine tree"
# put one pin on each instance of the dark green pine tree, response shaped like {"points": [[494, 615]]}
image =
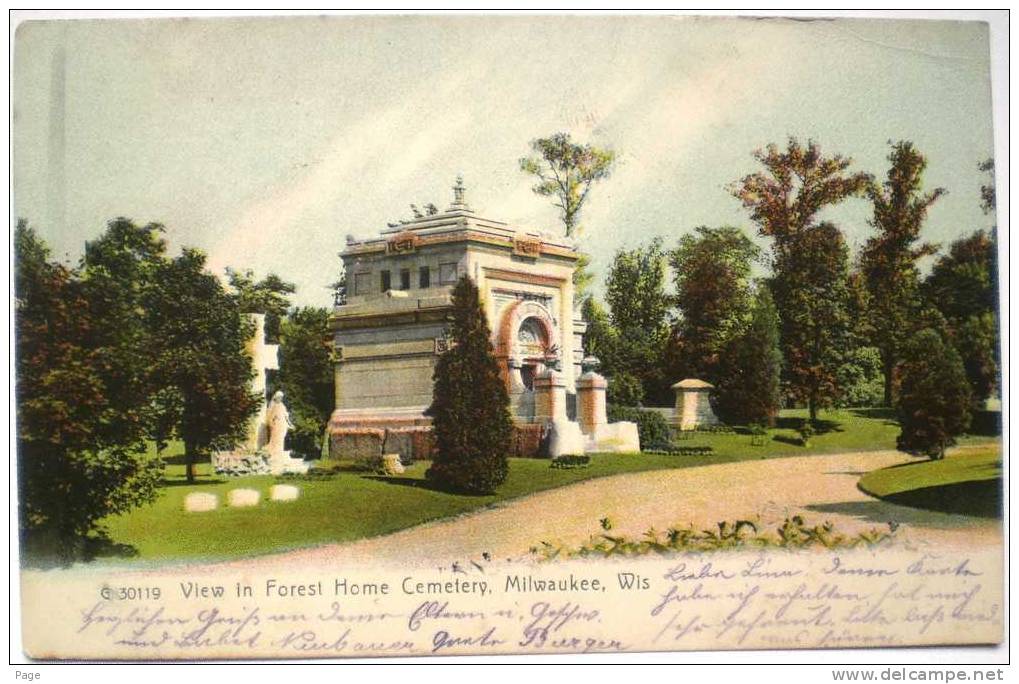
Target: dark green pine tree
{"points": [[748, 388], [470, 404], [935, 396]]}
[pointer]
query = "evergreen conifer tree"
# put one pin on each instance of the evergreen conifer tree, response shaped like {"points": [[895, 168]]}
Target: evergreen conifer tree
{"points": [[470, 404]]}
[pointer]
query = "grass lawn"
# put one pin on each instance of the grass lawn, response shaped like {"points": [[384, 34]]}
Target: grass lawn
{"points": [[968, 482], [353, 505]]}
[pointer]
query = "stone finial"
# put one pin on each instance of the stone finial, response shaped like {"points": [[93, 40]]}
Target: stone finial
{"points": [[459, 195]]}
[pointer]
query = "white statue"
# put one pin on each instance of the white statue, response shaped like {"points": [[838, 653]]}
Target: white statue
{"points": [[278, 419]]}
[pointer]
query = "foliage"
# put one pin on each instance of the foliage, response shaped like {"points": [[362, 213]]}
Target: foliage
{"points": [[198, 355], [747, 383], [889, 259], [797, 184], [810, 288], [794, 533], [470, 404], [651, 425], [712, 278], [625, 389], [963, 286], [810, 277], [339, 289], [674, 450], [635, 289], [635, 292], [934, 399], [566, 170], [269, 296], [806, 431], [80, 400], [987, 199], [571, 461], [860, 379], [601, 339], [306, 376]]}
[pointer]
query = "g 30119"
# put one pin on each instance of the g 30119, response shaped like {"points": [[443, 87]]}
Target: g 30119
{"points": [[130, 593]]}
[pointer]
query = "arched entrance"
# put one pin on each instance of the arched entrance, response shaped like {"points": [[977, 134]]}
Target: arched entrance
{"points": [[532, 347], [526, 338]]}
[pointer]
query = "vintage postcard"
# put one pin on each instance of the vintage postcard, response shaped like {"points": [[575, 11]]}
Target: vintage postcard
{"points": [[360, 336]]}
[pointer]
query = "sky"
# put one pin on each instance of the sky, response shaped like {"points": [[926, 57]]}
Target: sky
{"points": [[266, 141]]}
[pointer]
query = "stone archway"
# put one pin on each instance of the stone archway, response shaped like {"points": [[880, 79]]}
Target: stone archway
{"points": [[526, 333]]}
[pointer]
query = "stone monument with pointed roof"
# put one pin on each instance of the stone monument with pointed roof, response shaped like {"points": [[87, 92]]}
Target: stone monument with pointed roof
{"points": [[693, 404]]}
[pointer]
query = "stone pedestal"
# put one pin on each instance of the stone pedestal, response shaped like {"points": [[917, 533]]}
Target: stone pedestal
{"points": [[591, 402], [549, 397], [615, 438], [564, 438], [693, 407]]}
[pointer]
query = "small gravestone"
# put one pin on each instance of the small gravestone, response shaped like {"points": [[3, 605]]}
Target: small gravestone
{"points": [[391, 464], [199, 502], [239, 498], [284, 493]]}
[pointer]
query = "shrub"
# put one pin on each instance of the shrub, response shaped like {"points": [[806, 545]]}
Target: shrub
{"points": [[673, 450], [806, 431], [570, 462], [794, 533], [651, 425], [935, 396]]}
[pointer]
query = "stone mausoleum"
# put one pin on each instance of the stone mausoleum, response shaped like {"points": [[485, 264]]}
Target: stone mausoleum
{"points": [[392, 327]]}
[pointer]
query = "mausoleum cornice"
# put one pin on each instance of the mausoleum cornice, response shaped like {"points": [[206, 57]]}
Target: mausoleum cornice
{"points": [[442, 235]]}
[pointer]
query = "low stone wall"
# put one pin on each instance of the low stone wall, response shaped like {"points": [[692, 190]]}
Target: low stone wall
{"points": [[526, 441], [363, 445], [412, 443]]}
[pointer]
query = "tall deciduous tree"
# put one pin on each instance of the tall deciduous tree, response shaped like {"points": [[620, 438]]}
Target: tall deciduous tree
{"points": [[810, 258], [470, 404], [963, 286], [79, 434], [306, 375], [934, 400], [639, 305], [811, 281], [748, 380], [199, 357], [889, 259], [566, 171], [712, 277], [117, 270]]}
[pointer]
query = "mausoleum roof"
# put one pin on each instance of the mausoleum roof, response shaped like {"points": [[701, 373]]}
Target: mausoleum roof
{"points": [[459, 217]]}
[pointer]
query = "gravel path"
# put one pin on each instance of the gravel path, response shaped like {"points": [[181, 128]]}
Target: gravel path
{"points": [[819, 488]]}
